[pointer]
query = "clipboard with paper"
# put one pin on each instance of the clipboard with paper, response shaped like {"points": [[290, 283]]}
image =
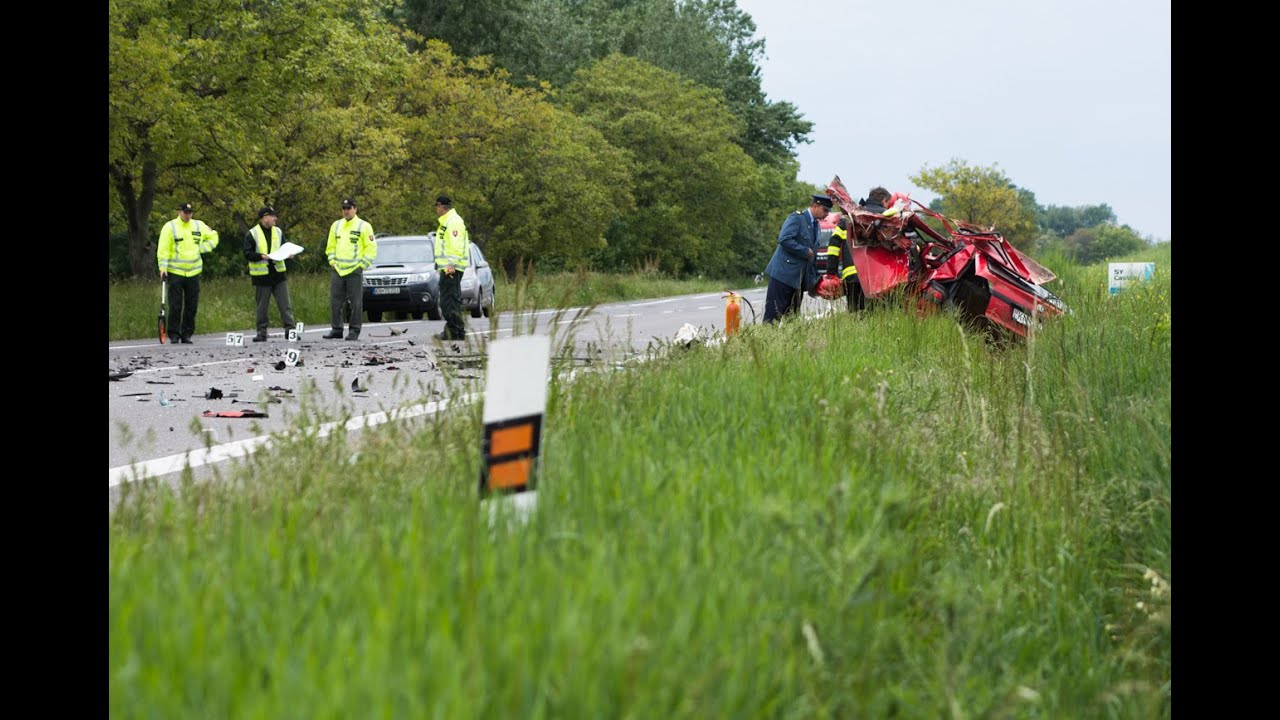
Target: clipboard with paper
{"points": [[286, 251]]}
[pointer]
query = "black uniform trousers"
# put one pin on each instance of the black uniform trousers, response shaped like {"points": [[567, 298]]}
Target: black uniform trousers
{"points": [[455, 327], [184, 300], [345, 289], [780, 299]]}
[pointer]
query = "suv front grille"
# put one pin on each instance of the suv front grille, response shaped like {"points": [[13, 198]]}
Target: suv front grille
{"points": [[386, 281]]}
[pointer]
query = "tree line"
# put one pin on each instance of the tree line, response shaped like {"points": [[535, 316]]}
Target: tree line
{"points": [[614, 134]]}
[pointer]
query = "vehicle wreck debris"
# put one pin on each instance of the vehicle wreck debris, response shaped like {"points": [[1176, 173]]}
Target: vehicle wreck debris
{"points": [[958, 264]]}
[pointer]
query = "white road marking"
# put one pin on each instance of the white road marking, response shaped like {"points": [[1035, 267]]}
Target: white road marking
{"points": [[203, 364], [654, 302], [708, 307], [240, 448]]}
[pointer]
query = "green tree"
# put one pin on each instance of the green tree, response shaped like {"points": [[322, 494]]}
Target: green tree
{"points": [[233, 105], [532, 180], [1063, 220], [1102, 242], [689, 174], [983, 196], [709, 41]]}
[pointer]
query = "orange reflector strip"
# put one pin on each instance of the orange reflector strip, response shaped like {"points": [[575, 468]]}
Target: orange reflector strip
{"points": [[512, 473], [518, 438]]}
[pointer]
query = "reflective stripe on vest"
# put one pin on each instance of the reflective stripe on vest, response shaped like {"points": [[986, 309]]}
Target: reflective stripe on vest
{"points": [[259, 267], [184, 266], [345, 265], [451, 249]]}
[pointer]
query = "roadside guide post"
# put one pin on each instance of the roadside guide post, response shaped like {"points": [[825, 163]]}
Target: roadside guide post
{"points": [[515, 400]]}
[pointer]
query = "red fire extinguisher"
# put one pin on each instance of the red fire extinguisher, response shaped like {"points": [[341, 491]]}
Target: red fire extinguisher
{"points": [[732, 314]]}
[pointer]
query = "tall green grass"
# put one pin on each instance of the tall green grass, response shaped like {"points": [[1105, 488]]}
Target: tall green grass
{"points": [[866, 516]]}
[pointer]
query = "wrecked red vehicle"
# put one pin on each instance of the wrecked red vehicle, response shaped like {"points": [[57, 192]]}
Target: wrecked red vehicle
{"points": [[971, 268]]}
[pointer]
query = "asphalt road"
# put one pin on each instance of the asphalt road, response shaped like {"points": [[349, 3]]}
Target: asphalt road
{"points": [[157, 425]]}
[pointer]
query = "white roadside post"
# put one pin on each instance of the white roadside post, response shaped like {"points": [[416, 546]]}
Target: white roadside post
{"points": [[515, 399], [1121, 275]]}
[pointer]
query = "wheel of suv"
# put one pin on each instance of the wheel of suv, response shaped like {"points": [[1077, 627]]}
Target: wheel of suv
{"points": [[374, 315], [493, 299]]}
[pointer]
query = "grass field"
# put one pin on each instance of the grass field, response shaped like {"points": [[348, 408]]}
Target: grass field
{"points": [[853, 517]]}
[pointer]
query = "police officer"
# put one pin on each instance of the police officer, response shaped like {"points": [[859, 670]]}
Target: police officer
{"points": [[351, 249], [791, 270], [267, 275], [453, 255], [182, 241]]}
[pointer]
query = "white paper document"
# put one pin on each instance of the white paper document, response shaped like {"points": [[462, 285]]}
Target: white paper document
{"points": [[286, 251]]}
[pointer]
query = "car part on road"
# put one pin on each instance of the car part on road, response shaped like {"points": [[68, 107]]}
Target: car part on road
{"points": [[234, 414]]}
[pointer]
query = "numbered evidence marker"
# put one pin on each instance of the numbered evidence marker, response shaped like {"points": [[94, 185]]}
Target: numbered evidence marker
{"points": [[515, 399], [291, 357], [294, 334], [1121, 275], [235, 339]]}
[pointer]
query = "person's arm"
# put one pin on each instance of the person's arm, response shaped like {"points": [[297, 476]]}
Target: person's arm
{"points": [[209, 240], [251, 248], [164, 249], [833, 252], [791, 240], [368, 247], [332, 245]]}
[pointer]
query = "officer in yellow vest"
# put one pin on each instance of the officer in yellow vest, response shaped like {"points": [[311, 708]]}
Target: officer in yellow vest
{"points": [[182, 241], [453, 255], [351, 249], [266, 274]]}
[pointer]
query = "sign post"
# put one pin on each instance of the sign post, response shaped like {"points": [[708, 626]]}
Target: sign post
{"points": [[515, 400]]}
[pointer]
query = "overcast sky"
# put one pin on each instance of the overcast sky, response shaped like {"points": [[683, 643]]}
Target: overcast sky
{"points": [[1069, 97]]}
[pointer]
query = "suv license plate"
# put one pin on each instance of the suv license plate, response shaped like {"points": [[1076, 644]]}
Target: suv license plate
{"points": [[386, 291]]}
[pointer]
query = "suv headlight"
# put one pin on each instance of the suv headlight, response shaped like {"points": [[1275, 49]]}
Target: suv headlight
{"points": [[419, 277]]}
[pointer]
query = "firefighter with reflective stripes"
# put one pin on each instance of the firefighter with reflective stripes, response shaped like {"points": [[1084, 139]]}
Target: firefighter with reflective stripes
{"points": [[840, 260], [178, 251], [351, 249], [266, 274], [453, 255]]}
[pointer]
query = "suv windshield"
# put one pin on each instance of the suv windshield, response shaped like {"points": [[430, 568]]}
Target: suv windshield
{"points": [[404, 251]]}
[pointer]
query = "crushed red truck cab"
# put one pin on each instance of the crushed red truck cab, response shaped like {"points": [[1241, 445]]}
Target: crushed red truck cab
{"points": [[973, 269]]}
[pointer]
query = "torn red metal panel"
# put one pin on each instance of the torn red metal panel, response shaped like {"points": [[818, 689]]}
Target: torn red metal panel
{"points": [[234, 414]]}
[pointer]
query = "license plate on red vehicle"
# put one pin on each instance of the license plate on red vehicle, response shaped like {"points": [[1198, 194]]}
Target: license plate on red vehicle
{"points": [[386, 291]]}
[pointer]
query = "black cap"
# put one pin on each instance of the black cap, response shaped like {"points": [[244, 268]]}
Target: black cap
{"points": [[265, 211], [348, 202], [823, 200], [185, 207], [444, 200]]}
